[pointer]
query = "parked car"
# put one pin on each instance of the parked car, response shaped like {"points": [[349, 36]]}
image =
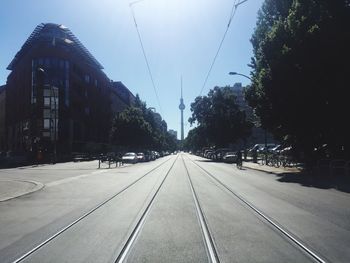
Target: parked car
{"points": [[80, 157], [141, 157], [129, 157], [229, 157], [148, 156], [219, 153]]}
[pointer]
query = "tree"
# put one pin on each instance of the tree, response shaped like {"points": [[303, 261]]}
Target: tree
{"points": [[300, 72], [219, 118], [196, 139], [130, 129], [139, 128]]}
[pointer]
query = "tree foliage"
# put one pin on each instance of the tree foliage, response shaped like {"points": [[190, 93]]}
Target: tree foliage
{"points": [[220, 121], [300, 72], [139, 128]]}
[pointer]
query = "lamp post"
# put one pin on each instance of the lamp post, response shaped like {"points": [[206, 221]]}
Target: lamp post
{"points": [[265, 135], [236, 73]]}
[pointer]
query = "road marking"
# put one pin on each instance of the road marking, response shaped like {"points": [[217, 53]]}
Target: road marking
{"points": [[70, 179]]}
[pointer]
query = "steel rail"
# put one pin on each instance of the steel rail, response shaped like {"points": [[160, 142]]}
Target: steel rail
{"points": [[131, 239], [295, 240], [43, 243], [209, 242]]}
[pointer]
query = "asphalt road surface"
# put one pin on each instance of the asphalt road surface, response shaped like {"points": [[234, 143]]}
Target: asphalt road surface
{"points": [[179, 208]]}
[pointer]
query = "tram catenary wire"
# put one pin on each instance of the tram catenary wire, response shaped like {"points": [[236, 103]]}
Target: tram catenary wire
{"points": [[62, 230], [267, 219], [232, 15]]}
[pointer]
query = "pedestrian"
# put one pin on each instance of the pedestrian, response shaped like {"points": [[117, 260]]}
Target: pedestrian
{"points": [[255, 156], [239, 159]]}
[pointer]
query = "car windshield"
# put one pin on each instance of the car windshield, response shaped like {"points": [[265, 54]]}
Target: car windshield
{"points": [[174, 131]]}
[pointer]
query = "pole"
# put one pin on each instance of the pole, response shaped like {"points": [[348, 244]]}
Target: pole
{"points": [[265, 146]]}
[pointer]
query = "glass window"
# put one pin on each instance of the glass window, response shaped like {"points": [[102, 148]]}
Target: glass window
{"points": [[66, 93], [46, 92], [46, 101], [87, 78], [54, 104], [46, 123], [46, 134], [47, 113]]}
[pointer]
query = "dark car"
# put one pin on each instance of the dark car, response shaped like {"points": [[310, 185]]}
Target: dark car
{"points": [[229, 157], [141, 157]]}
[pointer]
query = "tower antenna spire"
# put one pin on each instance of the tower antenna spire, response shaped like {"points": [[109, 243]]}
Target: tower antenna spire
{"points": [[182, 107]]}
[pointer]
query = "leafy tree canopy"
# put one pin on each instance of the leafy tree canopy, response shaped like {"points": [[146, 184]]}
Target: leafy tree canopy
{"points": [[300, 72], [218, 118], [139, 128]]}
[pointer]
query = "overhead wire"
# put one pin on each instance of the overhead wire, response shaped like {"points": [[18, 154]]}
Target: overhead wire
{"points": [[235, 5], [144, 54]]}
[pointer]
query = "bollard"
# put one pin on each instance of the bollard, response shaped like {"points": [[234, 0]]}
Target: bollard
{"points": [[99, 163]]}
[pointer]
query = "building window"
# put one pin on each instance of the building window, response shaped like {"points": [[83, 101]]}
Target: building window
{"points": [[87, 78], [46, 123], [46, 134], [47, 113], [47, 101]]}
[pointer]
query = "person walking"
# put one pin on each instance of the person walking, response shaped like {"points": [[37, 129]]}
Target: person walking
{"points": [[239, 160]]}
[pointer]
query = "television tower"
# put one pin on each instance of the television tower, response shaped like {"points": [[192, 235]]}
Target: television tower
{"points": [[182, 107]]}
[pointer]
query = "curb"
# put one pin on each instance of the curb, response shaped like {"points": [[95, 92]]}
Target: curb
{"points": [[37, 186], [270, 172]]}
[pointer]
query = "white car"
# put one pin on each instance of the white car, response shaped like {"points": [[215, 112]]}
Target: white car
{"points": [[129, 157]]}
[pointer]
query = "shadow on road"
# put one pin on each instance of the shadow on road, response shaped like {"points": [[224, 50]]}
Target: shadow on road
{"points": [[339, 182]]}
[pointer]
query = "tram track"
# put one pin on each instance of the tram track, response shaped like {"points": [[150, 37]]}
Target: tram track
{"points": [[207, 236], [268, 220], [58, 233], [122, 257]]}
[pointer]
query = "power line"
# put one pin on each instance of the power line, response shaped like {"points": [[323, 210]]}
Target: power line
{"points": [[233, 12], [144, 54]]}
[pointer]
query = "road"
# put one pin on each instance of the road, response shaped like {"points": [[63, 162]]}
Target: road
{"points": [[179, 208]]}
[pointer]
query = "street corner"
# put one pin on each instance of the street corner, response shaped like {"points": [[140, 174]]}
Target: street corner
{"points": [[10, 189]]}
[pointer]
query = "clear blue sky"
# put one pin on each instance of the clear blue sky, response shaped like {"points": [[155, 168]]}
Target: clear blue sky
{"points": [[180, 37]]}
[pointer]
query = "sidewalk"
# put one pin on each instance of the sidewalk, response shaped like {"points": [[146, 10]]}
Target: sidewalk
{"points": [[270, 169], [10, 189]]}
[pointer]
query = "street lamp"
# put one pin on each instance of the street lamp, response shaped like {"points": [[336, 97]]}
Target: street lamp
{"points": [[265, 134], [235, 73]]}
